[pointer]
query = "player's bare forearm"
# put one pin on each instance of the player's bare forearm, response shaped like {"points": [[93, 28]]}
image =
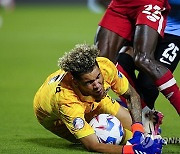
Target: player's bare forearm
{"points": [[134, 104], [92, 144]]}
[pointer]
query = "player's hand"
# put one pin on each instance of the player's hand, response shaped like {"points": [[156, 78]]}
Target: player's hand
{"points": [[141, 144], [138, 134], [148, 145]]}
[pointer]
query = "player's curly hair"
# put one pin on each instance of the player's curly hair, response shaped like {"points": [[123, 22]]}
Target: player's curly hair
{"points": [[81, 59]]}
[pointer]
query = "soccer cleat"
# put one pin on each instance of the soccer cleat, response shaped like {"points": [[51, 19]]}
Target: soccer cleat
{"points": [[158, 117], [152, 120]]}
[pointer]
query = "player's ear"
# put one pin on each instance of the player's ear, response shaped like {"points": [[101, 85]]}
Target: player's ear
{"points": [[74, 80]]}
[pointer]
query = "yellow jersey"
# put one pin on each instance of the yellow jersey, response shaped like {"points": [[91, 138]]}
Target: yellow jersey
{"points": [[61, 108]]}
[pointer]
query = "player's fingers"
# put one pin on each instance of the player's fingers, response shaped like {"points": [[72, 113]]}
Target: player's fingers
{"points": [[158, 149]]}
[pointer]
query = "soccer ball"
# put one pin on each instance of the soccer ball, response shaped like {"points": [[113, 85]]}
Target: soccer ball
{"points": [[107, 128]]}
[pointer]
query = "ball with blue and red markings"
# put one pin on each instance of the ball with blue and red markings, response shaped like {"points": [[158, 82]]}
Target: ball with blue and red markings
{"points": [[108, 129]]}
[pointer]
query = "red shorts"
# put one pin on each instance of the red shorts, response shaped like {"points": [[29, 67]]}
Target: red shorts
{"points": [[122, 16]]}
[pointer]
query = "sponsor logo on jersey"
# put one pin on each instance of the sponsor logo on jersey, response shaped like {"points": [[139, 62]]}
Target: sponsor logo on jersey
{"points": [[78, 123]]}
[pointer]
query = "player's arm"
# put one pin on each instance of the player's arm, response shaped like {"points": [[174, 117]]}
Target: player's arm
{"points": [[92, 144], [125, 118], [134, 107], [137, 145], [121, 86], [134, 104]]}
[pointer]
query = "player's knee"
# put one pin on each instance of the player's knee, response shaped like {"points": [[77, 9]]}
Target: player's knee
{"points": [[142, 61]]}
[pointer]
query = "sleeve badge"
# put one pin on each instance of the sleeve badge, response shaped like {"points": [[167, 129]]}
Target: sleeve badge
{"points": [[78, 123]]}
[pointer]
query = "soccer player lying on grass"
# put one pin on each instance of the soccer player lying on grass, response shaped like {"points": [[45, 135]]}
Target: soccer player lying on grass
{"points": [[71, 96]]}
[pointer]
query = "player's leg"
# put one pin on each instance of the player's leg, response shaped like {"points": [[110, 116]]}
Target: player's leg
{"points": [[126, 65], [109, 43], [147, 88], [144, 48], [125, 60], [150, 94], [167, 53], [113, 32]]}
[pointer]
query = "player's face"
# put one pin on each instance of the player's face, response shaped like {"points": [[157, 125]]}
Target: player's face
{"points": [[92, 84]]}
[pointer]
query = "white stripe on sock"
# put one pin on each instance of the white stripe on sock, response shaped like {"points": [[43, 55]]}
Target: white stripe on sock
{"points": [[167, 84]]}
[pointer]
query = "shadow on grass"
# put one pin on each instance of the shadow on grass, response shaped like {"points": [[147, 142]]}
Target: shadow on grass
{"points": [[56, 143]]}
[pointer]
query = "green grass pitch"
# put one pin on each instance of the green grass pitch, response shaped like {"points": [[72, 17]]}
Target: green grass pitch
{"points": [[32, 38]]}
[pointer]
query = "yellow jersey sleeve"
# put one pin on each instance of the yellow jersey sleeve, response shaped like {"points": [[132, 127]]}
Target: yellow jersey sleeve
{"points": [[116, 80], [73, 118]]}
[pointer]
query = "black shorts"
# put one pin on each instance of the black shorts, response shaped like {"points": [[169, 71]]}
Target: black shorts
{"points": [[168, 51]]}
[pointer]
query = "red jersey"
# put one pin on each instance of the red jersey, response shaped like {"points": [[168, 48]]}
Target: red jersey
{"points": [[122, 16]]}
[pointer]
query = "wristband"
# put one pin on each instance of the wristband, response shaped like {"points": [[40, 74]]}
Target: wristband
{"points": [[137, 127]]}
